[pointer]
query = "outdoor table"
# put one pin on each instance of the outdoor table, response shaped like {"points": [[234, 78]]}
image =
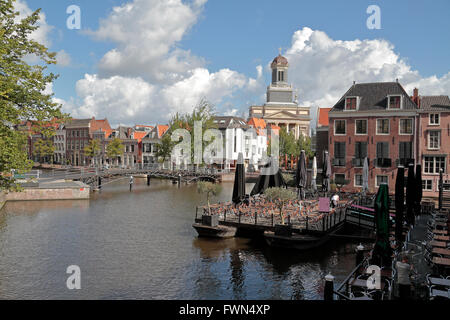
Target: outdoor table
{"points": [[439, 281], [440, 244], [441, 251]]}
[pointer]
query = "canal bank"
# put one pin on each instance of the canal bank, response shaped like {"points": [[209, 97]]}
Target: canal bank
{"points": [[141, 245], [54, 190]]}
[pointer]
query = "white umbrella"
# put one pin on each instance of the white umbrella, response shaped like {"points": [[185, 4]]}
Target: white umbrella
{"points": [[365, 176], [314, 174]]}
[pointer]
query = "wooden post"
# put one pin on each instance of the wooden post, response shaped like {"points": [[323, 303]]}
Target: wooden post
{"points": [[148, 179], [306, 223], [272, 219], [196, 211], [239, 221], [99, 182], [329, 288], [323, 223], [256, 217], [441, 188], [225, 216]]}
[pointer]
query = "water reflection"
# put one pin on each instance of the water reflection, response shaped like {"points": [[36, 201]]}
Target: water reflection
{"points": [[141, 245]]}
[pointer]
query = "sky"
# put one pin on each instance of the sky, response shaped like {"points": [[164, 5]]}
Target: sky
{"points": [[141, 61]]}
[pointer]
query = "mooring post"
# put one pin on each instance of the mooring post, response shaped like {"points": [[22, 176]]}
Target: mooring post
{"points": [[306, 223], [196, 212], [289, 219], [329, 288], [148, 179], [359, 254], [441, 188], [131, 182], [256, 217], [99, 182], [272, 219], [225, 215], [179, 180]]}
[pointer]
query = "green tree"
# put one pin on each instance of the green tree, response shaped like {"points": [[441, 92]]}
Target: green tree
{"points": [[92, 150], [44, 148], [209, 189], [304, 143], [21, 89], [280, 196], [164, 149], [114, 149], [203, 112]]}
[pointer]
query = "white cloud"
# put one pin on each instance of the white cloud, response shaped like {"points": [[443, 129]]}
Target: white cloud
{"points": [[323, 69], [146, 33], [63, 58]]}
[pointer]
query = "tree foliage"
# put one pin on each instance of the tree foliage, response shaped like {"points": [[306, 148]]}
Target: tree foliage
{"points": [[92, 150], [203, 112], [22, 88], [209, 189], [115, 148], [44, 148]]}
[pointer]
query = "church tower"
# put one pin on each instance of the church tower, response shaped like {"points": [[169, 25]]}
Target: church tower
{"points": [[279, 91]]}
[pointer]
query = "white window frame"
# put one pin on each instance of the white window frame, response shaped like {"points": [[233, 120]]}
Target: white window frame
{"points": [[381, 175], [429, 119], [431, 185], [400, 127], [357, 103], [367, 127], [389, 101], [354, 180], [429, 137], [434, 164], [340, 134], [389, 127]]}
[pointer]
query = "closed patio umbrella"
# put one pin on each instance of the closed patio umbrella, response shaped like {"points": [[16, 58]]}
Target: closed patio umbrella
{"points": [[382, 251], [411, 194], [365, 176], [326, 172], [418, 179], [314, 175], [268, 179], [399, 202], [301, 175], [239, 181]]}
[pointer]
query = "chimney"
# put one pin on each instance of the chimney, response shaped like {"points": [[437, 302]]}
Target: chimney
{"points": [[415, 97]]}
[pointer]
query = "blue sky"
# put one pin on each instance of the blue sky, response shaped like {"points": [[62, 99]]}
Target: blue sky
{"points": [[239, 36]]}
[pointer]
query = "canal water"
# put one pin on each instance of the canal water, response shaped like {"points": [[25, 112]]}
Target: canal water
{"points": [[141, 245]]}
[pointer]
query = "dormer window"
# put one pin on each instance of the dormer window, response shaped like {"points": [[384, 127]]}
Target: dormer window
{"points": [[395, 102], [351, 103]]}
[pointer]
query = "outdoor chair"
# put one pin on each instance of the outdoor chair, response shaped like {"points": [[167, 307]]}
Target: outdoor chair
{"points": [[436, 292]]}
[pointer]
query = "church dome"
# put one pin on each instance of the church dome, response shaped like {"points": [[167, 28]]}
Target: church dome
{"points": [[279, 61]]}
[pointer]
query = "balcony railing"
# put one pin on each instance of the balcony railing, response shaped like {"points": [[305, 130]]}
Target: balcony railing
{"points": [[383, 162], [403, 162], [358, 162], [339, 162]]}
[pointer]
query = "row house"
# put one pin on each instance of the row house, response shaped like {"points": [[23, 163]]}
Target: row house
{"points": [[377, 121], [79, 132], [150, 144], [434, 140], [59, 143], [322, 127], [129, 157]]}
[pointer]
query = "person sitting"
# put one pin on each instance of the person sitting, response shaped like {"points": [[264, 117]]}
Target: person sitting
{"points": [[334, 201]]}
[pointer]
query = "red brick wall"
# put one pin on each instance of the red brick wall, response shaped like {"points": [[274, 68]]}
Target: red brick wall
{"points": [[372, 138]]}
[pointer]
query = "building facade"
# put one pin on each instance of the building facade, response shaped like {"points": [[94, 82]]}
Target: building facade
{"points": [[281, 107], [377, 121]]}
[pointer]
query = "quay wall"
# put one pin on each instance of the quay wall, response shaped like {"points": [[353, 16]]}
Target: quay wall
{"points": [[78, 192]]}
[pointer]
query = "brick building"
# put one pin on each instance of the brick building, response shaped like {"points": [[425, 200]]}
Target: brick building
{"points": [[374, 120]]}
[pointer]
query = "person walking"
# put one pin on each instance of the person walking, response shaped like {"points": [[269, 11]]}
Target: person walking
{"points": [[404, 282]]}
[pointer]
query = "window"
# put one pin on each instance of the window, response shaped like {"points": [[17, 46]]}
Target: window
{"points": [[339, 178], [406, 126], [434, 139], [404, 153], [383, 159], [280, 75], [433, 164], [360, 153], [132, 148], [427, 185], [361, 127], [381, 179], [339, 127], [434, 119], [339, 154], [382, 126], [350, 103], [358, 180], [394, 102]]}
